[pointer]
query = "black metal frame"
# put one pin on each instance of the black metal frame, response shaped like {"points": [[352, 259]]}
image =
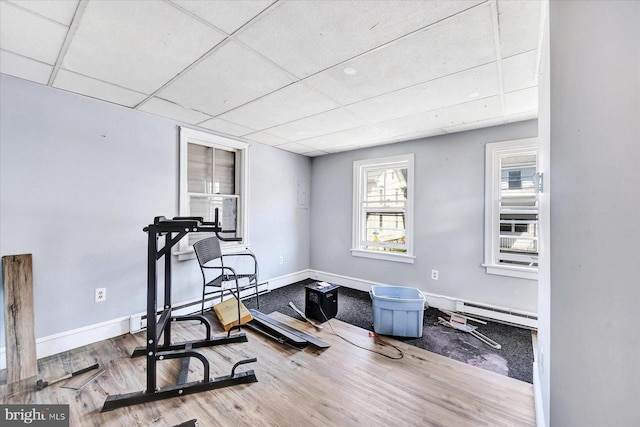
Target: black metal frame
{"points": [[173, 230]]}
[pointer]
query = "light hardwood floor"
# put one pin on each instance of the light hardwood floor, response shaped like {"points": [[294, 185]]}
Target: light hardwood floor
{"points": [[340, 386]]}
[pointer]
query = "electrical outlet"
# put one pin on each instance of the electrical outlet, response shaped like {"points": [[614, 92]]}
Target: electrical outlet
{"points": [[281, 259], [434, 274], [101, 294]]}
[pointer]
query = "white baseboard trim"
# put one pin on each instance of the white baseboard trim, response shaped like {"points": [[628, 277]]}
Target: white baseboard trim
{"points": [[434, 300], [54, 344], [288, 279], [68, 340]]}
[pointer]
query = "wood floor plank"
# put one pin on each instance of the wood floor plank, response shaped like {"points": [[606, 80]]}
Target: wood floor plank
{"points": [[340, 386]]}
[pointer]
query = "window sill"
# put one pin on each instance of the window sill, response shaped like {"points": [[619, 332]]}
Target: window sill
{"points": [[385, 256], [519, 272]]}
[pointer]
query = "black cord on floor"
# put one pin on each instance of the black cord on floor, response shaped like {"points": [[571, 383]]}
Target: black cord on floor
{"points": [[378, 337]]}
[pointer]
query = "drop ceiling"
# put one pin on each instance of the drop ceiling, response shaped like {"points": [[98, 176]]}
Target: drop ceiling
{"points": [[310, 77]]}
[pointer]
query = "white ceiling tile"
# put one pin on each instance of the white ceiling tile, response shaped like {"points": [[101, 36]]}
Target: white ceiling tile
{"points": [[519, 117], [139, 45], [161, 107], [231, 76], [265, 138], [60, 11], [519, 23], [339, 149], [30, 35], [416, 68], [25, 68], [375, 142], [285, 105], [325, 33], [226, 127], [479, 82], [228, 15], [474, 125], [519, 71], [84, 85], [350, 137], [294, 147], [315, 153], [521, 101], [320, 124], [473, 111], [462, 42]]}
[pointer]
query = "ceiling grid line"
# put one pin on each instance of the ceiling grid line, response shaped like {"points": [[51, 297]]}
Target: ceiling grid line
{"points": [[495, 17], [307, 77], [75, 22]]}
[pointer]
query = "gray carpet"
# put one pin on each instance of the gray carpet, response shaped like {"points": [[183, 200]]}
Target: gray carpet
{"points": [[514, 359]]}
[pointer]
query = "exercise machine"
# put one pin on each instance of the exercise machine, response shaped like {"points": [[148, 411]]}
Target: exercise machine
{"points": [[159, 322]]}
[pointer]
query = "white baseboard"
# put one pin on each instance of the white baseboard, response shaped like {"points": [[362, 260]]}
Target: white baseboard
{"points": [[68, 340], [54, 344], [434, 300], [288, 279]]}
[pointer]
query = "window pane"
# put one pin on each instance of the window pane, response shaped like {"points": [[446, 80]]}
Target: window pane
{"points": [[383, 217], [199, 168], [518, 210], [384, 207], [225, 172], [205, 206], [518, 236], [385, 232], [375, 185], [517, 179], [386, 186]]}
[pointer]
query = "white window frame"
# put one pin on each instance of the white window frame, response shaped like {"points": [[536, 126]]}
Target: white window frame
{"points": [[192, 136], [494, 151], [359, 184]]}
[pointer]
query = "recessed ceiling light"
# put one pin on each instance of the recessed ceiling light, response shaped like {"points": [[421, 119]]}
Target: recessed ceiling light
{"points": [[350, 71]]}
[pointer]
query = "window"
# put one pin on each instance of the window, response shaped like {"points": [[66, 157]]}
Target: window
{"points": [[383, 208], [213, 176], [511, 208]]}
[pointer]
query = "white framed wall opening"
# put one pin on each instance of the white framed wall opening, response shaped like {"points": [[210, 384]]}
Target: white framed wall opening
{"points": [[512, 208], [213, 176], [383, 208]]}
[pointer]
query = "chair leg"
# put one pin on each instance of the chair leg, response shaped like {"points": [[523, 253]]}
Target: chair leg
{"points": [[257, 297], [203, 292]]}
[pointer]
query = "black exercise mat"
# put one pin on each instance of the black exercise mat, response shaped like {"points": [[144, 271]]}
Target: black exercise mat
{"points": [[514, 359]]}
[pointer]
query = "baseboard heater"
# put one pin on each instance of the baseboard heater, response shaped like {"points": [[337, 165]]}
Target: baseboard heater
{"points": [[503, 315], [138, 322]]}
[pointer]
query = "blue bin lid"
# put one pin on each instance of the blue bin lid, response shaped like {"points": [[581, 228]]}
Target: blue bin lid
{"points": [[392, 293]]}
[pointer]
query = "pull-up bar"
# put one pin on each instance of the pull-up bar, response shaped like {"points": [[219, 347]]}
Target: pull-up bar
{"points": [[173, 230]]}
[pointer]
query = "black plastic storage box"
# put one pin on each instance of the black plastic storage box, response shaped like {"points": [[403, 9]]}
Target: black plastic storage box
{"points": [[321, 301]]}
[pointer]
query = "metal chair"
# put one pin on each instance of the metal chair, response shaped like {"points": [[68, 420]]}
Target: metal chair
{"points": [[218, 277]]}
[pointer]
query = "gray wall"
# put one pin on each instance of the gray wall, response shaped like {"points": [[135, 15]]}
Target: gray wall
{"points": [[449, 219], [595, 201], [79, 180]]}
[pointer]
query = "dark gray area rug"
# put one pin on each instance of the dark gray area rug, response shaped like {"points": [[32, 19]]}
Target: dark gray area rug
{"points": [[514, 359]]}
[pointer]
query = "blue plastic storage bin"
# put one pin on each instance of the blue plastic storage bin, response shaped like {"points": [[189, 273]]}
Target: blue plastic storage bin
{"points": [[397, 310]]}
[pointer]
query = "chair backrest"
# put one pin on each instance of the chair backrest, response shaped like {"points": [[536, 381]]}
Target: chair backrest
{"points": [[207, 249]]}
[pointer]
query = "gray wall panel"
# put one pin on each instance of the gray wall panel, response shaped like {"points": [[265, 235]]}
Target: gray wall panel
{"points": [[449, 215]]}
